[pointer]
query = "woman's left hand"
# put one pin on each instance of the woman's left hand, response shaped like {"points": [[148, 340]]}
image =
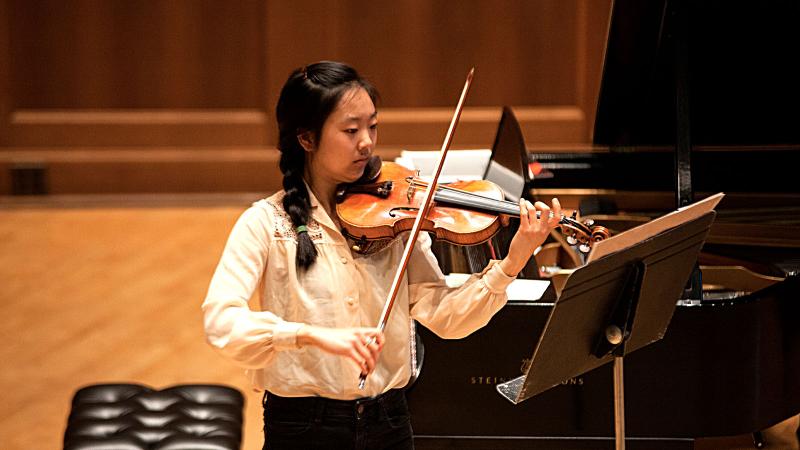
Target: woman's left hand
{"points": [[531, 234]]}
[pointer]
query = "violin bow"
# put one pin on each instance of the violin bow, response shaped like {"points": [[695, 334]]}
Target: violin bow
{"points": [[421, 214]]}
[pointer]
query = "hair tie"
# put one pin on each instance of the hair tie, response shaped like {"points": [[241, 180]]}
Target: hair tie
{"points": [[305, 72], [301, 229]]}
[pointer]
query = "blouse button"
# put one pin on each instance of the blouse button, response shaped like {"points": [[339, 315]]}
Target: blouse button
{"points": [[351, 301], [344, 260]]}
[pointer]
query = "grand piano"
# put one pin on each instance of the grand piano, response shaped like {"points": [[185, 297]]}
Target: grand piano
{"points": [[696, 98]]}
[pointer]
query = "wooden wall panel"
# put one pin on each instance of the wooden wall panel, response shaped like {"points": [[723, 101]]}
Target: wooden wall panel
{"points": [[417, 51], [112, 74], [116, 127], [5, 82], [118, 54]]}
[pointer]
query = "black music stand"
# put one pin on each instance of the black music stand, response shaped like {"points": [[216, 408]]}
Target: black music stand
{"points": [[610, 307]]}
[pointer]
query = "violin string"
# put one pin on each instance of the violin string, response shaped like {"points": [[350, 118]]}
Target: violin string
{"points": [[477, 196], [460, 191]]}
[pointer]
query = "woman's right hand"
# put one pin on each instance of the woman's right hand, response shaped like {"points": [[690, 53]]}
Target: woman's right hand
{"points": [[361, 345]]}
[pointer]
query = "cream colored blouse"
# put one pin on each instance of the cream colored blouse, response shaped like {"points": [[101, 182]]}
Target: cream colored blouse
{"points": [[339, 290]]}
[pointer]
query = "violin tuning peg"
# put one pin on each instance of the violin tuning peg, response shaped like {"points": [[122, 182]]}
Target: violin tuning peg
{"points": [[584, 247], [588, 222], [574, 215], [572, 240]]}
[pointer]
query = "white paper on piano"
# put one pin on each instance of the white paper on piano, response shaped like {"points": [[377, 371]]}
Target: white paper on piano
{"points": [[530, 290], [647, 230], [459, 165]]}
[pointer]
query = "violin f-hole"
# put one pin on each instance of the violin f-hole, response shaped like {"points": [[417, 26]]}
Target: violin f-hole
{"points": [[401, 208]]}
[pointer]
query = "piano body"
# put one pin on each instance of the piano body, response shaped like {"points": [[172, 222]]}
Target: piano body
{"points": [[696, 98]]}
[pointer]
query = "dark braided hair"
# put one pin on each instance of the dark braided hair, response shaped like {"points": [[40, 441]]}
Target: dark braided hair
{"points": [[307, 99]]}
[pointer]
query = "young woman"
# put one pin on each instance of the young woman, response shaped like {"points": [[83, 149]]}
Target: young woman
{"points": [[311, 340]]}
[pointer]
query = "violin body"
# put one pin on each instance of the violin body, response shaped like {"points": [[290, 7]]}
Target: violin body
{"points": [[462, 213], [389, 204]]}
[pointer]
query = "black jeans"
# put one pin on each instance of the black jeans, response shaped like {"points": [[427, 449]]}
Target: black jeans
{"points": [[319, 423]]}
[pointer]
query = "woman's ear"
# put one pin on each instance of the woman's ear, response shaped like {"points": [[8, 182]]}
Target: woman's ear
{"points": [[306, 139]]}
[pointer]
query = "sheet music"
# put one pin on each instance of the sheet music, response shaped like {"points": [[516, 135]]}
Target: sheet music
{"points": [[652, 228], [519, 289], [459, 165]]}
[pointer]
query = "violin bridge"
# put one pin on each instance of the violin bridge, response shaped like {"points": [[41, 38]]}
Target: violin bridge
{"points": [[412, 188]]}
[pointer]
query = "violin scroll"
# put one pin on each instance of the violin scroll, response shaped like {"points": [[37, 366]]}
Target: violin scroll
{"points": [[582, 234]]}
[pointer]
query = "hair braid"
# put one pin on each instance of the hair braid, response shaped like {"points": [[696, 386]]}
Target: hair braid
{"points": [[297, 204]]}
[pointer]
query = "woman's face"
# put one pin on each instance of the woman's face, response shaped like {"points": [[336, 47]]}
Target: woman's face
{"points": [[347, 140]]}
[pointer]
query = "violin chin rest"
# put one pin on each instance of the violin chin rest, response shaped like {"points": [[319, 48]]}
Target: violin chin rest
{"points": [[372, 170]]}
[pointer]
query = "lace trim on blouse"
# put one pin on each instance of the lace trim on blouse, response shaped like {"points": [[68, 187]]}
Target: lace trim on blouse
{"points": [[283, 223]]}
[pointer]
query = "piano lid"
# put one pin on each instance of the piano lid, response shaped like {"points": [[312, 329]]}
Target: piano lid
{"points": [[742, 69]]}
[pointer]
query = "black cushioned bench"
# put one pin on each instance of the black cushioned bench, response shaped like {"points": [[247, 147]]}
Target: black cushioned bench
{"points": [[136, 417]]}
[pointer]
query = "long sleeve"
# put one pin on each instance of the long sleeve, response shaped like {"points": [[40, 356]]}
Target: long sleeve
{"points": [[453, 313], [251, 338]]}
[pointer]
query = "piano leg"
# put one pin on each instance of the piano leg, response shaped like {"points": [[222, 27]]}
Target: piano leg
{"points": [[758, 440]]}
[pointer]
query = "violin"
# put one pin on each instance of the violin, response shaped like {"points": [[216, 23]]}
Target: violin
{"points": [[386, 200], [387, 203]]}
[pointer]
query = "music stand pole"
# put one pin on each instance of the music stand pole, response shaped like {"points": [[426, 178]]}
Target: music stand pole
{"points": [[619, 404]]}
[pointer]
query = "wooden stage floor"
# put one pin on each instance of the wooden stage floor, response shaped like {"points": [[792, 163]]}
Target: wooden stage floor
{"points": [[92, 292], [106, 289]]}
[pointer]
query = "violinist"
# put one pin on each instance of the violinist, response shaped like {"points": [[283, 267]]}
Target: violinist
{"points": [[315, 334]]}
